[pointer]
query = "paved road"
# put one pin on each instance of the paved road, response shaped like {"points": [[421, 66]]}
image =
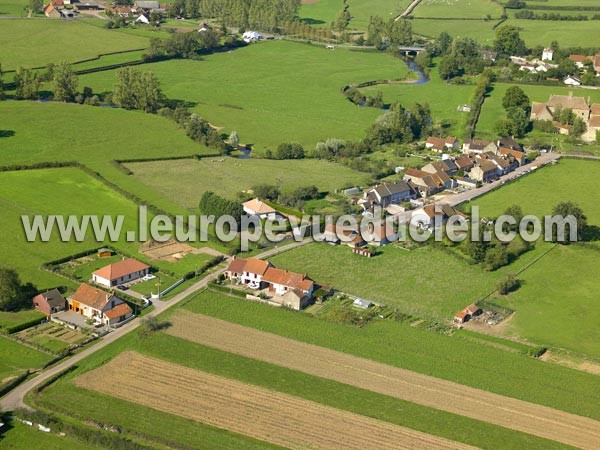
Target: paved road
{"points": [[469, 195], [15, 398]]}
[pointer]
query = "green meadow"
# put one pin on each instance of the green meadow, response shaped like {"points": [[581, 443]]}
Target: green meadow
{"points": [[93, 136], [16, 359], [323, 12], [534, 32], [462, 9], [424, 282], [443, 99], [184, 181], [21, 436], [480, 30], [51, 191], [538, 192], [274, 92], [34, 43], [138, 421], [557, 304], [13, 8]]}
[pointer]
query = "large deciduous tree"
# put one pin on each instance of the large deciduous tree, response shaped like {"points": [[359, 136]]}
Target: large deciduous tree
{"points": [[65, 82]]}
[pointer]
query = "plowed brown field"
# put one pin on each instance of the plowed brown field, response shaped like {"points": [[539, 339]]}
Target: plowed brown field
{"points": [[260, 413], [400, 383]]}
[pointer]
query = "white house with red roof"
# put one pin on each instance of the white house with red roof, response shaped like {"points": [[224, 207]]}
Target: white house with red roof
{"points": [[123, 271], [258, 208]]}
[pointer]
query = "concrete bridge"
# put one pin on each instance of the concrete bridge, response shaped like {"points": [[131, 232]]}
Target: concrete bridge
{"points": [[413, 50]]}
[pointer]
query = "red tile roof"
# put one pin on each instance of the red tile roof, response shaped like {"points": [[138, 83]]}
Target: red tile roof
{"points": [[250, 265], [289, 279], [118, 311], [121, 269], [91, 296]]}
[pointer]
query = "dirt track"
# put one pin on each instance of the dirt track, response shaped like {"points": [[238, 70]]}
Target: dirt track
{"points": [[400, 383], [266, 415]]}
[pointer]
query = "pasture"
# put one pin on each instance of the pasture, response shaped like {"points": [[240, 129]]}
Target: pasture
{"points": [[93, 136], [12, 319], [323, 12], [21, 436], [461, 9], [480, 30], [413, 281], [538, 192], [443, 99], [534, 32], [13, 8], [492, 109], [50, 191], [16, 358], [184, 181], [274, 92], [34, 43], [64, 396], [556, 306]]}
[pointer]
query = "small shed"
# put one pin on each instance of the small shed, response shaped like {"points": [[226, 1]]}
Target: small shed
{"points": [[361, 303], [104, 252]]}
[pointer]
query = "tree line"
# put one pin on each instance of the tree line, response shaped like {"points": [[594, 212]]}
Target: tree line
{"points": [[265, 15]]}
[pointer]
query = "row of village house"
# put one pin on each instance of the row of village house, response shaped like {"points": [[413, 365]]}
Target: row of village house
{"points": [[94, 303], [141, 9], [482, 161]]}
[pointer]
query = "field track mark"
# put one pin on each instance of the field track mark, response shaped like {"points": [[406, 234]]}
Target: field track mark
{"points": [[253, 411], [404, 384]]}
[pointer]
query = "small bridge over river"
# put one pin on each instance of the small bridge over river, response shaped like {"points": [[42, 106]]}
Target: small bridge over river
{"points": [[411, 50]]}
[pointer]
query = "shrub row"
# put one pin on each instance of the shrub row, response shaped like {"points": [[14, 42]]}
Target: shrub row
{"points": [[88, 435], [22, 326]]}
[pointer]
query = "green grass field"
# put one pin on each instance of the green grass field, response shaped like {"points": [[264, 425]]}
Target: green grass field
{"points": [[33, 43], [492, 109], [534, 32], [11, 319], [50, 191], [274, 92], [13, 8], [443, 99], [20, 437], [15, 358], [184, 181], [93, 136], [557, 303], [462, 9], [424, 282], [64, 397], [323, 12], [537, 193], [480, 30]]}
